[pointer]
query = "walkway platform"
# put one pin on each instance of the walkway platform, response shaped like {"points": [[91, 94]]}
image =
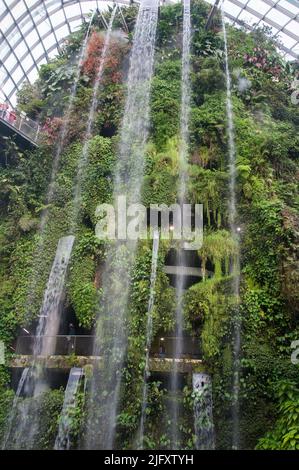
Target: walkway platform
{"points": [[162, 365], [14, 124]]}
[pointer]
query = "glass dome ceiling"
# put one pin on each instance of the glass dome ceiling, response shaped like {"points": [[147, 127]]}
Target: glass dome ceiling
{"points": [[32, 31]]}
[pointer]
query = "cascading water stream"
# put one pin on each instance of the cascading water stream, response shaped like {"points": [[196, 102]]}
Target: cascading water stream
{"points": [[56, 160], [203, 412], [65, 125], [111, 335], [183, 157], [83, 160], [63, 439], [26, 425], [234, 234], [14, 409], [149, 332], [49, 317]]}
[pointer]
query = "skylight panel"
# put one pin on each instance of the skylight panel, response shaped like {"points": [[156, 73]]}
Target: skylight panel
{"points": [[31, 3], [26, 25], [293, 26], [43, 28], [21, 49], [232, 9], [4, 49], [32, 75], [75, 24], [289, 6], [50, 40], [38, 51], [6, 23], [62, 32], [13, 37], [277, 17], [248, 18], [243, 2], [38, 13], [18, 74], [264, 23], [31, 38], [52, 6], [28, 62], [259, 6], [2, 8], [10, 62], [53, 53], [72, 10], [18, 9], [87, 7], [9, 86], [57, 18], [2, 77], [286, 40]]}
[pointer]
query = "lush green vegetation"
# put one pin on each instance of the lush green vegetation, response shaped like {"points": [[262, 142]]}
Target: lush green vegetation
{"points": [[266, 125]]}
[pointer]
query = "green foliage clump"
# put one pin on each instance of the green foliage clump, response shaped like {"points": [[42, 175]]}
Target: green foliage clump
{"points": [[285, 435], [165, 101]]}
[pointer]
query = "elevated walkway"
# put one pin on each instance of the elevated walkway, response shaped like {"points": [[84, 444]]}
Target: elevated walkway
{"points": [[186, 271], [77, 351], [13, 123], [157, 364]]}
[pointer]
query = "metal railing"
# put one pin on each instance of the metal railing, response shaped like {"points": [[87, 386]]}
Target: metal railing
{"points": [[20, 122], [82, 345], [166, 346]]}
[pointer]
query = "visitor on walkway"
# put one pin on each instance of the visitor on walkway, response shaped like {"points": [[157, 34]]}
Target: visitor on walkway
{"points": [[162, 351]]}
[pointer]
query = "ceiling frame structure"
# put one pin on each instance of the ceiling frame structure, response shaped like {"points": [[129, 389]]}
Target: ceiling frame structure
{"points": [[245, 13], [20, 19], [49, 9]]}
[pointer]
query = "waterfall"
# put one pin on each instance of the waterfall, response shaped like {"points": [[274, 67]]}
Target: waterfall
{"points": [[135, 124], [56, 160], [185, 103], [83, 160], [49, 315], [63, 439], [203, 412], [149, 328], [235, 236], [14, 409], [111, 335], [183, 177], [65, 125], [44, 341]]}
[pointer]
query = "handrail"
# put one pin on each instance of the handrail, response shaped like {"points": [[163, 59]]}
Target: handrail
{"points": [[82, 345]]}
